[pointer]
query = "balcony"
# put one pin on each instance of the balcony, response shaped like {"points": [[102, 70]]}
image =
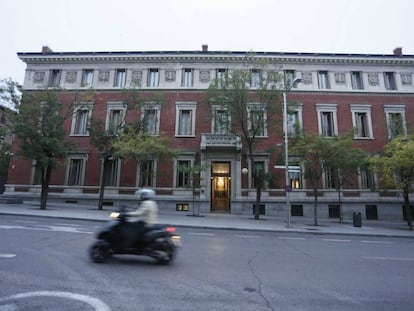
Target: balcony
{"points": [[220, 141]]}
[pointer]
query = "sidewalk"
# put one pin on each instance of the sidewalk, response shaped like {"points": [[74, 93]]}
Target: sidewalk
{"points": [[218, 221]]}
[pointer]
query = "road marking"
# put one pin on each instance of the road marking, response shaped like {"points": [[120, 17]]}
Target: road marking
{"points": [[288, 238], [336, 240], [246, 236], [11, 307], [95, 303], [26, 221], [47, 228], [377, 242], [389, 258], [7, 255], [69, 225], [202, 234]]}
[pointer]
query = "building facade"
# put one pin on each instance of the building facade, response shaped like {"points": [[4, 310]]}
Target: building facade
{"points": [[337, 93]]}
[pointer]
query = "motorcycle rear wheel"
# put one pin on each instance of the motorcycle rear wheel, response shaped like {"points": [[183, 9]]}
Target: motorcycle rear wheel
{"points": [[99, 252]]}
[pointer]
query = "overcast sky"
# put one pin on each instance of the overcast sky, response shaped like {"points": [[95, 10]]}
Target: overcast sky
{"points": [[332, 26]]}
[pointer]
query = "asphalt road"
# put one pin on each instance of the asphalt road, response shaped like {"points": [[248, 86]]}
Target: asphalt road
{"points": [[44, 266]]}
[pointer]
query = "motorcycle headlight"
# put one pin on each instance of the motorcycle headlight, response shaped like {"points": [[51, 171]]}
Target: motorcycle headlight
{"points": [[114, 215]]}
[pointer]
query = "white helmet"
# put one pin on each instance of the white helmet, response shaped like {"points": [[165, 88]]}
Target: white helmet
{"points": [[145, 194]]}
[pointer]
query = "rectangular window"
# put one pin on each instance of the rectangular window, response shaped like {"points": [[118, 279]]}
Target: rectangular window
{"points": [[183, 173], [153, 77], [54, 80], [255, 78], [185, 119], [87, 78], [115, 121], [396, 123], [187, 77], [323, 80], [367, 179], [112, 172], [150, 121], [292, 123], [221, 77], [289, 76], [221, 121], [356, 80], [75, 172], [81, 122], [115, 117], [120, 78], [260, 169], [389, 80], [331, 179], [361, 120], [295, 178], [147, 174], [257, 121], [327, 123]]}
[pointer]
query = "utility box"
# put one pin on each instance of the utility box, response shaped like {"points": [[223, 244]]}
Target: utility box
{"points": [[357, 219]]}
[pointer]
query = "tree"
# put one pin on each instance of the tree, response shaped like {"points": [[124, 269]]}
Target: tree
{"points": [[39, 128], [10, 94], [319, 155], [250, 96], [396, 167]]}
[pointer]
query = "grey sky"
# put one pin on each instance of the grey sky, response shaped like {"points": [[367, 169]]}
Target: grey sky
{"points": [[333, 26]]}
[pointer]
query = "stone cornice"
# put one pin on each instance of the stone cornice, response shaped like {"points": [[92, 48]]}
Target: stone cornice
{"points": [[214, 57]]}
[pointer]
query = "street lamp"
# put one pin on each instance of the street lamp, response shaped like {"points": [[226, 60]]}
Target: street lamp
{"points": [[288, 187]]}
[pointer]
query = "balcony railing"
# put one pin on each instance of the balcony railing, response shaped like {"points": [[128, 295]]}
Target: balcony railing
{"points": [[220, 141]]}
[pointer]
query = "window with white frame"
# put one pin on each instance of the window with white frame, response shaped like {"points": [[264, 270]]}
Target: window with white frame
{"points": [[261, 165], [150, 118], [260, 168], [327, 119], [295, 177], [146, 173], [289, 76], [330, 179], [87, 78], [356, 80], [221, 77], [323, 80], [36, 173], [185, 118], [153, 77], [294, 120], [81, 119], [75, 170], [183, 174], [361, 120], [54, 79], [112, 173], [115, 117], [257, 120], [389, 79], [221, 120], [366, 178], [120, 78], [255, 78], [187, 80], [396, 123]]}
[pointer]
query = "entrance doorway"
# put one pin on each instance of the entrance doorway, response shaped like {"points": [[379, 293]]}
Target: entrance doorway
{"points": [[220, 187]]}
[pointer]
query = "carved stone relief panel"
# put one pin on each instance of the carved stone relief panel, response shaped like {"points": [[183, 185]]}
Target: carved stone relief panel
{"points": [[340, 78], [204, 76], [103, 76], [406, 79], [39, 77], [71, 76], [373, 79], [136, 77], [170, 76], [307, 77]]}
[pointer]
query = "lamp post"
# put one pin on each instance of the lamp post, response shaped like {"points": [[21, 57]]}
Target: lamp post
{"points": [[288, 187]]}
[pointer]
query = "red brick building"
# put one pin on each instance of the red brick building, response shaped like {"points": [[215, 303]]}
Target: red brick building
{"points": [[338, 92]]}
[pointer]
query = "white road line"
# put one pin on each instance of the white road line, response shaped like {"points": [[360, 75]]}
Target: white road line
{"points": [[388, 258], [288, 238], [377, 242], [201, 234], [246, 236], [7, 255], [69, 225], [336, 240], [11, 307], [26, 221]]}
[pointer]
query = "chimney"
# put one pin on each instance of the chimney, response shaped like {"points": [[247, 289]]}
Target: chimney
{"points": [[46, 49], [398, 52], [205, 47]]}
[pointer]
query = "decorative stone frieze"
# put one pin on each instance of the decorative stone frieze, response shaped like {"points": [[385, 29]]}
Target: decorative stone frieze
{"points": [[103, 76], [373, 79], [71, 76], [39, 77], [406, 79], [340, 78], [170, 76], [136, 77], [307, 77], [204, 76]]}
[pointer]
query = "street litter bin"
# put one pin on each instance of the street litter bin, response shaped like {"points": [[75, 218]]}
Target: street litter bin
{"points": [[357, 220]]}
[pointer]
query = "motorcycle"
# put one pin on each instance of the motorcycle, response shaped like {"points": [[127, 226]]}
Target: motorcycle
{"points": [[119, 237]]}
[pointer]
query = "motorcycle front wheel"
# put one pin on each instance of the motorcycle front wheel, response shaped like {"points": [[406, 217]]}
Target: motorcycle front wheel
{"points": [[99, 252]]}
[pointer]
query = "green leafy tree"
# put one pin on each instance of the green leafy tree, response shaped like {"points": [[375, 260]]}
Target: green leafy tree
{"points": [[10, 93], [319, 155], [249, 108], [39, 129], [396, 167]]}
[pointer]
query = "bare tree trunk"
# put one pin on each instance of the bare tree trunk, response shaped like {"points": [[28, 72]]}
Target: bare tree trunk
{"points": [[103, 183], [45, 186], [408, 209], [315, 207]]}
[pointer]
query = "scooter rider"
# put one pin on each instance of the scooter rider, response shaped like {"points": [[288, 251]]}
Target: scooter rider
{"points": [[147, 211]]}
